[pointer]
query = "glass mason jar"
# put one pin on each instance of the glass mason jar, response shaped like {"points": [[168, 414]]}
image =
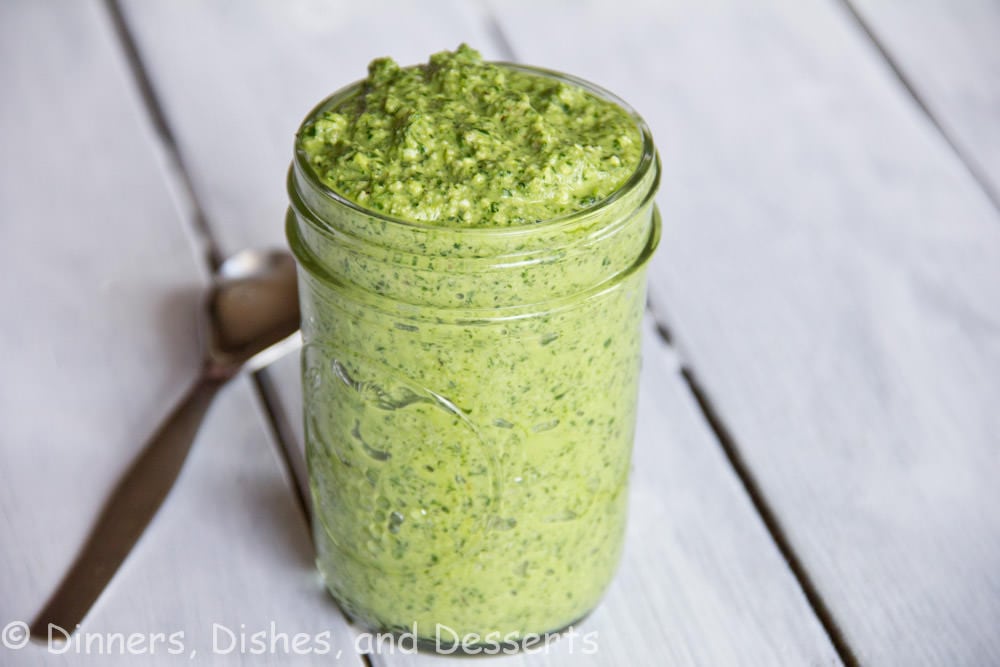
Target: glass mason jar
{"points": [[469, 399]]}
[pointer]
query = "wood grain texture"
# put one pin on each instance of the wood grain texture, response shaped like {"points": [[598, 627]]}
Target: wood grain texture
{"points": [[101, 291], [948, 52], [682, 596], [832, 274]]}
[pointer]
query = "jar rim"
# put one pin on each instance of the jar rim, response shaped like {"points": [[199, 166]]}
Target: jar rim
{"points": [[465, 315], [648, 159]]}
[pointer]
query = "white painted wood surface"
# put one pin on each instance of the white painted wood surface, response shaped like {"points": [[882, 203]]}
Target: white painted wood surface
{"points": [[832, 275], [100, 292], [830, 270], [950, 53]]}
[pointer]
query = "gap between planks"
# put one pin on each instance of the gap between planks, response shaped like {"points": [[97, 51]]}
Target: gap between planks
{"points": [[207, 247], [972, 166], [759, 501]]}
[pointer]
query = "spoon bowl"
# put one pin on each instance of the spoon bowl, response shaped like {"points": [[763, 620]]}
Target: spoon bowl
{"points": [[252, 306]]}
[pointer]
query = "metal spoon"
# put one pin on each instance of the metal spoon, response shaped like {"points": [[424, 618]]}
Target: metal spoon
{"points": [[252, 319]]}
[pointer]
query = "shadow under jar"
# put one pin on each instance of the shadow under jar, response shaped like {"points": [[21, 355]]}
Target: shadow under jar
{"points": [[470, 398]]}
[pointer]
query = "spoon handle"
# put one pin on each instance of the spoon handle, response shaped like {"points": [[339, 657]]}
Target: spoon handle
{"points": [[127, 512]]}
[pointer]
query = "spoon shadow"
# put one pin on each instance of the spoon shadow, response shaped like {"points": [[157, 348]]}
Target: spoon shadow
{"points": [[252, 309]]}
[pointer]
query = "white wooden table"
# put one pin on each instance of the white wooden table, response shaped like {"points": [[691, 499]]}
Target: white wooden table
{"points": [[817, 469]]}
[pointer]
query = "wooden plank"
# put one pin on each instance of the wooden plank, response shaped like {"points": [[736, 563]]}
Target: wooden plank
{"points": [[831, 273], [681, 594], [947, 52], [102, 289]]}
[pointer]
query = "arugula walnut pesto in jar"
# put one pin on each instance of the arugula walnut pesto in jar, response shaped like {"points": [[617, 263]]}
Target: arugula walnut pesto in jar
{"points": [[472, 240]]}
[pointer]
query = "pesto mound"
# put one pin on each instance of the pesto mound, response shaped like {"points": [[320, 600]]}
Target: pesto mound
{"points": [[465, 143]]}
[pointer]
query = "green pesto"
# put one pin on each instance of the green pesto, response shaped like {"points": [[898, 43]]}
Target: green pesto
{"points": [[464, 142], [470, 384]]}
